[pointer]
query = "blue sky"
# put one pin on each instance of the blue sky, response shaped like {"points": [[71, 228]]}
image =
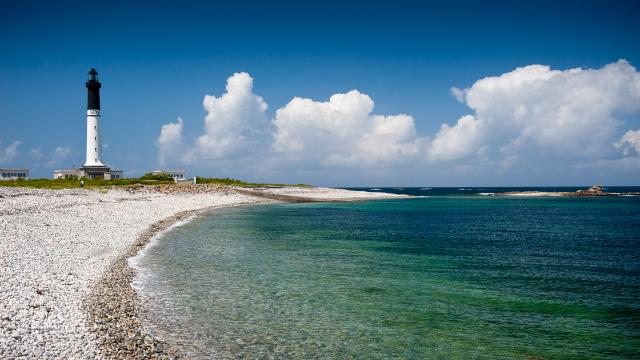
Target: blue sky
{"points": [[157, 62]]}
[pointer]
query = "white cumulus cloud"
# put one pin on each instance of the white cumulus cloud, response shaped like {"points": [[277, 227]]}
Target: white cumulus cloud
{"points": [[525, 116], [169, 142], [629, 142], [36, 153], [236, 122], [10, 152], [573, 113], [457, 141], [343, 131], [60, 153]]}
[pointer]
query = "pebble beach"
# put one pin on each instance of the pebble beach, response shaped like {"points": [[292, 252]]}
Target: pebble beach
{"points": [[64, 281]]}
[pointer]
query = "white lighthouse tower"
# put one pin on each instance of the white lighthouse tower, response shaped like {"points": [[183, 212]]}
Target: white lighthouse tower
{"points": [[94, 151], [93, 167]]}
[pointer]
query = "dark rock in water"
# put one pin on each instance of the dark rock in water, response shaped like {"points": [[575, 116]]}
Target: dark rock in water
{"points": [[596, 190]]}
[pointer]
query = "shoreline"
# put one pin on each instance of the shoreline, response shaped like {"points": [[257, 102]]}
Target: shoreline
{"points": [[65, 279], [113, 305], [56, 244]]}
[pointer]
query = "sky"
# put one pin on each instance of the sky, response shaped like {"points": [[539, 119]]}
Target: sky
{"points": [[335, 93]]}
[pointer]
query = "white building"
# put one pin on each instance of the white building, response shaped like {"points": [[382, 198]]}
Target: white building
{"points": [[80, 173], [113, 174], [14, 174], [67, 174], [177, 175]]}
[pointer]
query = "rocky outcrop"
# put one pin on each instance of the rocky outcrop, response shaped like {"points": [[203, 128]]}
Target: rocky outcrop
{"points": [[596, 190]]}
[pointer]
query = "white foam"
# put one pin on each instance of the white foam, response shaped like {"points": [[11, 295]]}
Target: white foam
{"points": [[135, 261]]}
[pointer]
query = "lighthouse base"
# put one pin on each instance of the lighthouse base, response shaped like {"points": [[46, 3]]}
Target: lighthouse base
{"points": [[89, 172], [95, 172]]}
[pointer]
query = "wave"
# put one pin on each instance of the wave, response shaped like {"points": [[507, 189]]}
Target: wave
{"points": [[487, 194]]}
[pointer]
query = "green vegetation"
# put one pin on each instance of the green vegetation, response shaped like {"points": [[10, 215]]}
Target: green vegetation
{"points": [[75, 183], [147, 179], [157, 177], [236, 182]]}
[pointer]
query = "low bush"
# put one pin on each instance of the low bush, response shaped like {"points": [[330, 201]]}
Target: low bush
{"points": [[147, 179], [236, 182], [156, 177], [75, 183]]}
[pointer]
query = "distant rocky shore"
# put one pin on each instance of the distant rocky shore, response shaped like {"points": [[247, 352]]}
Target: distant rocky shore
{"points": [[596, 190]]}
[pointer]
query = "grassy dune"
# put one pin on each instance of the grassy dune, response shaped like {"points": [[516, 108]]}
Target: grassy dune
{"points": [[147, 179], [236, 182]]}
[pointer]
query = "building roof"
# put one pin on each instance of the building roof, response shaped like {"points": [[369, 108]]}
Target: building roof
{"points": [[169, 171], [15, 169]]}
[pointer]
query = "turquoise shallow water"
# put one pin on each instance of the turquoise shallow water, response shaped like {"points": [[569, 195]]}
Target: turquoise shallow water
{"points": [[439, 277]]}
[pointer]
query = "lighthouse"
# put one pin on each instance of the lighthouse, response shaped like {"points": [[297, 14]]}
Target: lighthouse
{"points": [[93, 167], [94, 151]]}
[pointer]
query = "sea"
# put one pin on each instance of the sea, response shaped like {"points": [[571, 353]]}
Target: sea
{"points": [[453, 273]]}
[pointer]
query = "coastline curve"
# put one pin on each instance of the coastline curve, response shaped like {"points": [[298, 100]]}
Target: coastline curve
{"points": [[112, 306]]}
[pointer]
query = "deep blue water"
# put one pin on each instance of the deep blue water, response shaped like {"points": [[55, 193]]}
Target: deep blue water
{"points": [[450, 276]]}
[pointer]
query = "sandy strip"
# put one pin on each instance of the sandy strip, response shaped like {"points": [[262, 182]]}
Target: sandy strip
{"points": [[535, 194], [64, 281], [318, 194]]}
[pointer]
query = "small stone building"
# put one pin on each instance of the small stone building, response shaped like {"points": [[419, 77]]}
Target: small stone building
{"points": [[13, 174], [177, 175], [89, 173]]}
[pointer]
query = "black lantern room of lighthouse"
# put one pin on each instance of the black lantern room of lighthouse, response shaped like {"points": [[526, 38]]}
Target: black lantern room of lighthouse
{"points": [[93, 93]]}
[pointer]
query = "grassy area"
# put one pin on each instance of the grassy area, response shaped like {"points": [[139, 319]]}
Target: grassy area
{"points": [[147, 179], [75, 183], [236, 182]]}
